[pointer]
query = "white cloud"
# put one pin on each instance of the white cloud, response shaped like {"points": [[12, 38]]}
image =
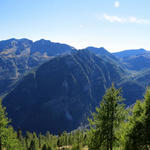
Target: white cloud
{"points": [[113, 19], [117, 4], [117, 19]]}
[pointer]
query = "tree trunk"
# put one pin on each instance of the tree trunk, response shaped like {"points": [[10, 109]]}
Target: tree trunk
{"points": [[107, 145]]}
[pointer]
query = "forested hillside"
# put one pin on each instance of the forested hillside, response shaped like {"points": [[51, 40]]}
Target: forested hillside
{"points": [[112, 126], [60, 93]]}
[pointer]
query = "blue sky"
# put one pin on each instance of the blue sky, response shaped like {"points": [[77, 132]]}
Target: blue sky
{"points": [[115, 25]]}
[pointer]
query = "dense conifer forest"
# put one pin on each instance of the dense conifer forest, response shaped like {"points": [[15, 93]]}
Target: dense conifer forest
{"points": [[113, 126]]}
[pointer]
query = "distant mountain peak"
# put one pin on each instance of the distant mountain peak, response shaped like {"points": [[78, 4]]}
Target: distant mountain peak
{"points": [[132, 50], [43, 41], [129, 53], [15, 39], [142, 49], [98, 48]]}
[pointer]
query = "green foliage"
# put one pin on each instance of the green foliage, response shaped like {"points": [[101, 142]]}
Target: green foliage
{"points": [[3, 126], [138, 129], [76, 147], [111, 127], [7, 135], [45, 147], [13, 142], [134, 128], [106, 121]]}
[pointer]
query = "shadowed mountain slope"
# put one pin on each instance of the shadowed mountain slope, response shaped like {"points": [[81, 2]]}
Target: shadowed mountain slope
{"points": [[64, 84], [61, 92]]}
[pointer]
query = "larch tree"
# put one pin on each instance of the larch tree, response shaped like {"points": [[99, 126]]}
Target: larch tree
{"points": [[106, 120]]}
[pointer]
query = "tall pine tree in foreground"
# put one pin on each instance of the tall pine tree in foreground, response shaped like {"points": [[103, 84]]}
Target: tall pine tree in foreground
{"points": [[106, 120]]}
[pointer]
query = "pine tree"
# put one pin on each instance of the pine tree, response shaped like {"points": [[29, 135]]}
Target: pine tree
{"points": [[106, 120]]}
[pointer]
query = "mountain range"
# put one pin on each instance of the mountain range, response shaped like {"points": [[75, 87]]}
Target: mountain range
{"points": [[20, 56], [134, 59], [53, 86]]}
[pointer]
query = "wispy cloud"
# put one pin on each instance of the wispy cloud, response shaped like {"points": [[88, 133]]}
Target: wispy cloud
{"points": [[117, 4], [113, 19], [139, 21], [117, 19]]}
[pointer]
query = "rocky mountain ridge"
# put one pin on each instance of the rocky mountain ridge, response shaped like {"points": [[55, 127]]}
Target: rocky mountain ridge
{"points": [[61, 92], [52, 86], [18, 56]]}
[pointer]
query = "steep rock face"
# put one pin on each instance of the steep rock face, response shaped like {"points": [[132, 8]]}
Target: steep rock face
{"points": [[61, 92], [19, 56]]}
